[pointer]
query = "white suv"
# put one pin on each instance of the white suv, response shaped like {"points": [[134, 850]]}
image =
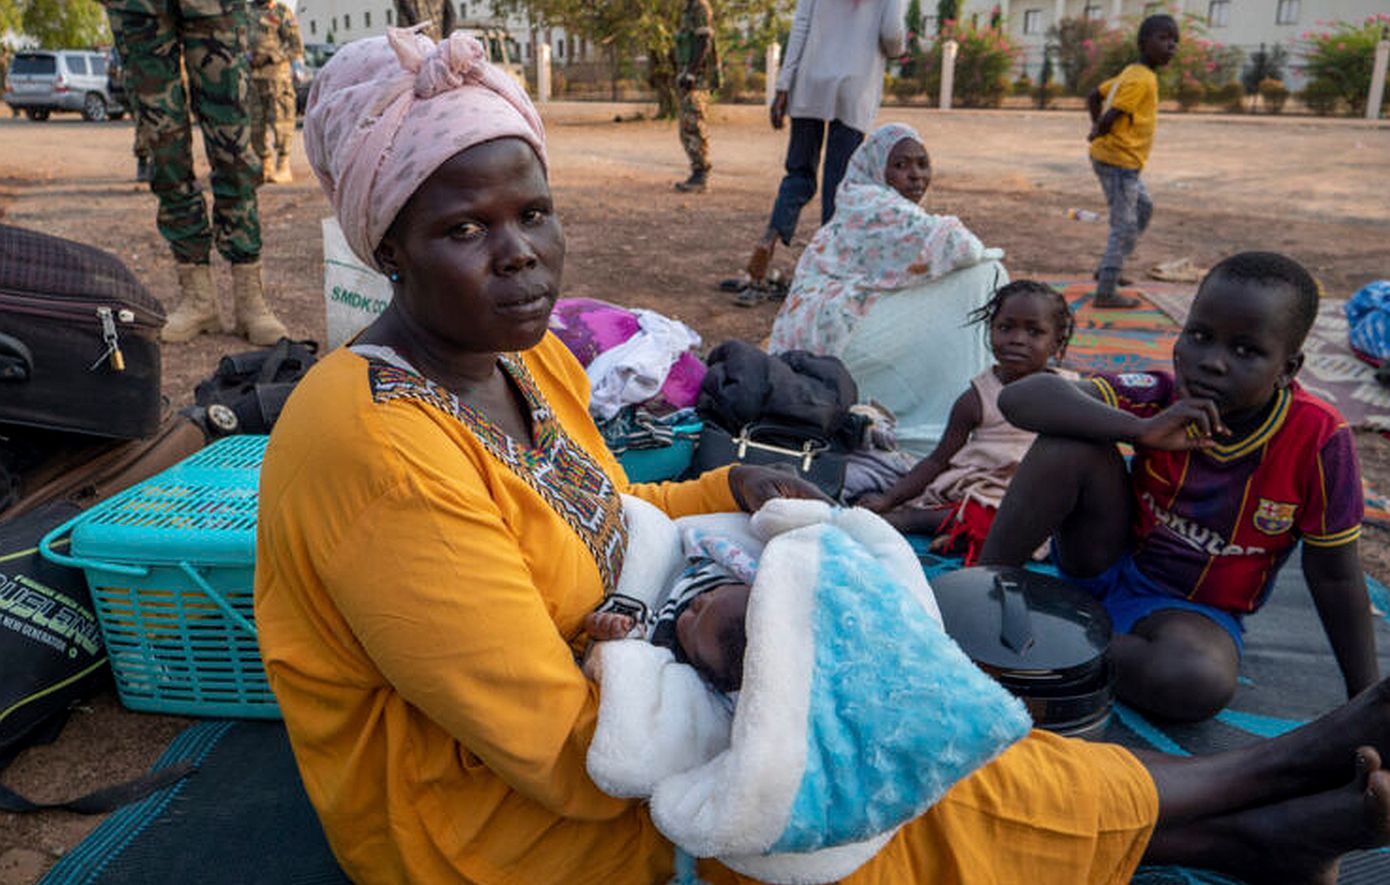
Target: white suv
{"points": [[45, 80]]}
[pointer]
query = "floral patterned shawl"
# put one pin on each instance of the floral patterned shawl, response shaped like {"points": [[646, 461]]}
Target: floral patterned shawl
{"points": [[878, 243]]}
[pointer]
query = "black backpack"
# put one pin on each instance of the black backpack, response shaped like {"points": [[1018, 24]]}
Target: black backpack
{"points": [[247, 391]]}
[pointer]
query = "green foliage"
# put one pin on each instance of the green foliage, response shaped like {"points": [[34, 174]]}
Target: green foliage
{"points": [[1100, 57], [1273, 94], [1229, 95], [1075, 41], [66, 24], [11, 17], [1321, 97], [983, 63], [1023, 85], [1190, 93], [912, 57], [1338, 63], [947, 11], [1264, 64]]}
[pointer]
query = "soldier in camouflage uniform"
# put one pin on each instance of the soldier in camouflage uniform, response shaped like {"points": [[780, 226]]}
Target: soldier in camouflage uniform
{"points": [[698, 63], [143, 141], [207, 39], [275, 44]]}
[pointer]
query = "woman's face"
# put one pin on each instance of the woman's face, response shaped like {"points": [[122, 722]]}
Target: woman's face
{"points": [[909, 169], [479, 250]]}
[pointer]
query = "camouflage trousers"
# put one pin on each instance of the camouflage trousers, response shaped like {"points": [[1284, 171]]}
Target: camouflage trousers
{"points": [[212, 50], [272, 116], [144, 139], [694, 135]]}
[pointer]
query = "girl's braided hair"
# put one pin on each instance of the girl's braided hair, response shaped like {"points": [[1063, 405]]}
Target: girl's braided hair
{"points": [[1061, 317]]}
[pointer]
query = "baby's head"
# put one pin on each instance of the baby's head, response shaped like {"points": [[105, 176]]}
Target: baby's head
{"points": [[1029, 324], [712, 636], [1243, 338]]}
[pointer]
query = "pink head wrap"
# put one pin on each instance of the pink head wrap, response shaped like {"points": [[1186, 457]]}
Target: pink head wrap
{"points": [[385, 112]]}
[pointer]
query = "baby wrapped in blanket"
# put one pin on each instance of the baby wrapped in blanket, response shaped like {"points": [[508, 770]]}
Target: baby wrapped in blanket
{"points": [[855, 712]]}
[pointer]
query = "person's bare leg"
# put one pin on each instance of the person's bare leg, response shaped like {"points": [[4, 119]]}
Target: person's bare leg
{"points": [[1298, 840], [1311, 759], [762, 255], [1177, 665], [1074, 490]]}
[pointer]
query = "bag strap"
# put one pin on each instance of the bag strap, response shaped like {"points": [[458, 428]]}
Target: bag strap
{"points": [[107, 798], [274, 360]]}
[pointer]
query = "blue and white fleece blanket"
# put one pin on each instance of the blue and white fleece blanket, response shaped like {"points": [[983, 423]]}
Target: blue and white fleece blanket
{"points": [[857, 712]]}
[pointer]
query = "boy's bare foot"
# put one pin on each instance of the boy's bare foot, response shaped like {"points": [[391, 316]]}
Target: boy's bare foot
{"points": [[1296, 842], [1316, 831]]}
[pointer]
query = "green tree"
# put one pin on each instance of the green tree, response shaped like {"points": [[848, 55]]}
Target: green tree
{"points": [[11, 18], [628, 28], [66, 24], [912, 58], [946, 11]]}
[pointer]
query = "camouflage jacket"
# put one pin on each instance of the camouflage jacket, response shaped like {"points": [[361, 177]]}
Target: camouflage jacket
{"points": [[275, 40], [186, 8], [697, 26]]}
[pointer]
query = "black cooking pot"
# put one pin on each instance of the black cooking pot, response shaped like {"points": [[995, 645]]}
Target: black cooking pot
{"points": [[1039, 637]]}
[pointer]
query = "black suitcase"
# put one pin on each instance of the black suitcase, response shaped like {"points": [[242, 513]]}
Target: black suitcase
{"points": [[79, 339]]}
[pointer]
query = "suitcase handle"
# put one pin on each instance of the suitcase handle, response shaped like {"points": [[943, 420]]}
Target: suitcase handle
{"points": [[16, 360]]}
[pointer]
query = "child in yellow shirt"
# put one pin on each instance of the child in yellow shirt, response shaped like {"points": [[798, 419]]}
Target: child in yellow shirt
{"points": [[1124, 114]]}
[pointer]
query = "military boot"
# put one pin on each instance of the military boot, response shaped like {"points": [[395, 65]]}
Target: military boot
{"points": [[696, 183], [197, 310], [281, 174], [254, 320]]}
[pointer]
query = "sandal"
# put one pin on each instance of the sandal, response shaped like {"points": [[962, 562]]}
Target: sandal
{"points": [[750, 296]]}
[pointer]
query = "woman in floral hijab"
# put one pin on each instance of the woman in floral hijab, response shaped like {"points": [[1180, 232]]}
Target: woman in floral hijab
{"points": [[880, 241]]}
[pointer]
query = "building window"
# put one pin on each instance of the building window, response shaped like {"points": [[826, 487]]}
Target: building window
{"points": [[1288, 12], [526, 48], [1032, 21], [347, 22], [333, 28], [389, 15], [313, 27], [1094, 14], [560, 48], [1218, 13], [367, 19]]}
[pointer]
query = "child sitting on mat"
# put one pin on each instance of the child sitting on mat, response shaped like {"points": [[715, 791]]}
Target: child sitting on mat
{"points": [[954, 492], [1234, 465]]}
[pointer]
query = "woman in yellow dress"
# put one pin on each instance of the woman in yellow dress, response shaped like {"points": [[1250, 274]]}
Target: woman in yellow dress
{"points": [[439, 513]]}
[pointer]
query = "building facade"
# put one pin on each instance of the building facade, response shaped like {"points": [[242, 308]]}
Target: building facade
{"points": [[342, 21], [1245, 24]]}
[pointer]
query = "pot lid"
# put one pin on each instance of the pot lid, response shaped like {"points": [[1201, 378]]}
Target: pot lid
{"points": [[1012, 619]]}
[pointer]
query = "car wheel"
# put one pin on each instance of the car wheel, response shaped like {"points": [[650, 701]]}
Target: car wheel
{"points": [[38, 115], [94, 108]]}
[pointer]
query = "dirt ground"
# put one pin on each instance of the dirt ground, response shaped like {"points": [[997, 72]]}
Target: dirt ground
{"points": [[1314, 188]]}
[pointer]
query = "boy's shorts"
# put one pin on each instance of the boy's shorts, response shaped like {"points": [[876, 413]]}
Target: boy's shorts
{"points": [[1129, 596]]}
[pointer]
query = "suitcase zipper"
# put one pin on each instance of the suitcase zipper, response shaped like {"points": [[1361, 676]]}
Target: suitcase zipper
{"points": [[111, 339], [44, 307]]}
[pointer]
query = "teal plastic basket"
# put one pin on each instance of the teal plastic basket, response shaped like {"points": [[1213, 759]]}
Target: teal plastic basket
{"points": [[171, 563]]}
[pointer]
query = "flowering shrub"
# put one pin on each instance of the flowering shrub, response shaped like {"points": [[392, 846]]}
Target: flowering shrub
{"points": [[1338, 63], [983, 63], [1199, 58]]}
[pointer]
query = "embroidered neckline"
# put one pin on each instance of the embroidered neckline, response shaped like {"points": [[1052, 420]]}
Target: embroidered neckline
{"points": [[552, 464]]}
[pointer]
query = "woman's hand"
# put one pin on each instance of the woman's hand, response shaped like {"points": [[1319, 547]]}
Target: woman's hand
{"points": [[754, 485], [877, 502], [1189, 423]]}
